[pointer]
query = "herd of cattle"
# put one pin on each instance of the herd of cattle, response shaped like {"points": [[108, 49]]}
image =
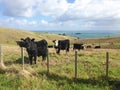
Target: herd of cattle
{"points": [[40, 48]]}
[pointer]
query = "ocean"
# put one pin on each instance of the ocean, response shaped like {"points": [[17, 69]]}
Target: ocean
{"points": [[85, 34]]}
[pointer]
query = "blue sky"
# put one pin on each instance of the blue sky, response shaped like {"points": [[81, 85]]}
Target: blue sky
{"points": [[60, 14]]}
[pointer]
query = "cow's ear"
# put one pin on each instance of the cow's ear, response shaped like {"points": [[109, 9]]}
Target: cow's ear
{"points": [[22, 39], [45, 42], [54, 41], [32, 39]]}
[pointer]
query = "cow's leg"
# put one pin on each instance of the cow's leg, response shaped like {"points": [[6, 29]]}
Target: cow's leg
{"points": [[58, 51], [67, 50], [30, 57], [35, 58], [73, 49], [43, 58]]}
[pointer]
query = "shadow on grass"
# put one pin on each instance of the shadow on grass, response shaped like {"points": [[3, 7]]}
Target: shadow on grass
{"points": [[19, 61], [114, 84]]}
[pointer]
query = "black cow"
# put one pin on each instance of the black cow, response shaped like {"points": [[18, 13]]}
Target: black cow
{"points": [[97, 47], [50, 46], [89, 46], [61, 45], [78, 46], [34, 49], [42, 48]]}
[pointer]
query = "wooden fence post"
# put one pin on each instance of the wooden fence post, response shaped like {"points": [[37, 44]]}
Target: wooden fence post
{"points": [[48, 64], [1, 58], [107, 66], [75, 64], [22, 55], [1, 55]]}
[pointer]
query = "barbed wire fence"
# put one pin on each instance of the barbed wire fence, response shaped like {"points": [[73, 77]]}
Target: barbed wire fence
{"points": [[48, 61]]}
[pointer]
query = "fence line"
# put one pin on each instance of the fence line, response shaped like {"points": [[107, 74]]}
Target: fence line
{"points": [[75, 64], [107, 66], [1, 58], [1, 55], [48, 66], [22, 56]]}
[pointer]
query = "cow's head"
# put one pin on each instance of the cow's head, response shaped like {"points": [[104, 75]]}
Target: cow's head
{"points": [[56, 46], [27, 42], [20, 43], [55, 43]]}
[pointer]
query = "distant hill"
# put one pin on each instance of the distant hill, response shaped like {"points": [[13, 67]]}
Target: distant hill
{"points": [[106, 42], [10, 36]]}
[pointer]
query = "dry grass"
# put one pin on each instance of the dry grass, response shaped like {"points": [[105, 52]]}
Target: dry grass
{"points": [[101, 40], [91, 65], [106, 43], [10, 36], [91, 68]]}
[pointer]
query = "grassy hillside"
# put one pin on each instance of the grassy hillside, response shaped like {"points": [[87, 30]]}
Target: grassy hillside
{"points": [[10, 36], [91, 71], [114, 39], [51, 37], [91, 66], [106, 42]]}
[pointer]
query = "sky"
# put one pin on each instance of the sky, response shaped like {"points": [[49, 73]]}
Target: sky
{"points": [[59, 15]]}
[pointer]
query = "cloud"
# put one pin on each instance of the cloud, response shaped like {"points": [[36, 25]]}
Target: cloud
{"points": [[26, 24], [19, 8], [53, 8], [93, 14], [18, 23], [92, 9], [62, 9], [61, 14], [28, 8]]}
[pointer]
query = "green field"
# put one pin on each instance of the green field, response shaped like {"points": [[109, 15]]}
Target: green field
{"points": [[91, 71], [91, 67]]}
